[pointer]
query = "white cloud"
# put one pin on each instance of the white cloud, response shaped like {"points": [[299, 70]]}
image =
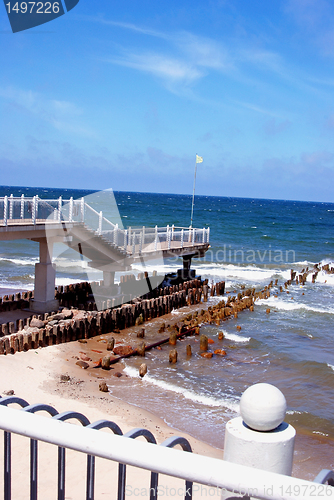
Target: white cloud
{"points": [[62, 115], [168, 68]]}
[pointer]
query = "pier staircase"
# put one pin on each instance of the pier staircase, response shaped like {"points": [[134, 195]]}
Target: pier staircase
{"points": [[96, 235]]}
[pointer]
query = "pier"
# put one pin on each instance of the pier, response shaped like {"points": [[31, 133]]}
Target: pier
{"points": [[106, 244]]}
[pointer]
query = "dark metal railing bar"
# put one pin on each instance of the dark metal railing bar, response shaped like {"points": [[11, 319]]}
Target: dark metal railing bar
{"points": [[8, 447], [185, 445], [34, 448], [66, 415], [133, 434], [90, 489], [7, 466]]}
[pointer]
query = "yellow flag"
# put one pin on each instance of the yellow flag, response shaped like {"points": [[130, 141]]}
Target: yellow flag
{"points": [[199, 159]]}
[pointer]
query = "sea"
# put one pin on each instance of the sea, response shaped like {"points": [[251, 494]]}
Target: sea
{"points": [[253, 242]]}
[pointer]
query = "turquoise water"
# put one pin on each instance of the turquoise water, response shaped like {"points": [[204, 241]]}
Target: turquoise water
{"points": [[252, 243]]}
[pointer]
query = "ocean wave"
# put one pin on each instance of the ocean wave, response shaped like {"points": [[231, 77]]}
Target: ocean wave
{"points": [[186, 393], [235, 338], [330, 366], [21, 262], [292, 305]]}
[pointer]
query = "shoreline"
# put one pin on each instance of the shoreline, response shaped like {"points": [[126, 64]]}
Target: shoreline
{"points": [[81, 393]]}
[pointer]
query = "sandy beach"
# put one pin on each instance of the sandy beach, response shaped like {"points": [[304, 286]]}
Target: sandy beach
{"points": [[38, 377], [50, 375]]}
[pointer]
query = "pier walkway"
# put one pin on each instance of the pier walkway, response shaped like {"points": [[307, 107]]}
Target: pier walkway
{"points": [[108, 246]]}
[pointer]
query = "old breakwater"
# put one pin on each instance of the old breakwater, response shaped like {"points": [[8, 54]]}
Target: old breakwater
{"points": [[77, 323], [78, 318]]}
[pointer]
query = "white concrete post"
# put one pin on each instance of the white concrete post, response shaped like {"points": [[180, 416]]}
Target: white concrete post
{"points": [[260, 438], [45, 276], [108, 278], [22, 206]]}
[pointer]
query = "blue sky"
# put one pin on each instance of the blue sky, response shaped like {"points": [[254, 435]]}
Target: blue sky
{"points": [[122, 95]]}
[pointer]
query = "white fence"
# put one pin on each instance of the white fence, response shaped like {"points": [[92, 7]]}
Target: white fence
{"points": [[16, 210], [203, 471]]}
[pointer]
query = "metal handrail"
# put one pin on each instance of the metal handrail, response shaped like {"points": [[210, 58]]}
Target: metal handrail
{"points": [[160, 459]]}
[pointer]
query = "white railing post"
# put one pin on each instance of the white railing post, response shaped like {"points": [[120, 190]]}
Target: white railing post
{"points": [[168, 237], [59, 208], [172, 232], [116, 235], [5, 210], [134, 242], [193, 235], [82, 209], [141, 236], [125, 239], [182, 236], [33, 210], [203, 237], [143, 242], [22, 206], [70, 215], [167, 234], [208, 235], [100, 223], [189, 235], [11, 202], [156, 238]]}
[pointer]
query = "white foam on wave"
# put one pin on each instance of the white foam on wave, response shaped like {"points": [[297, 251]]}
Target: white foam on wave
{"points": [[322, 278], [231, 271], [235, 338], [68, 281], [292, 305], [21, 262], [66, 263], [330, 366], [186, 393]]}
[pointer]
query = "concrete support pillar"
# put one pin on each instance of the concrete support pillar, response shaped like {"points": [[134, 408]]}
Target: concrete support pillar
{"points": [[186, 266], [108, 278], [45, 277]]}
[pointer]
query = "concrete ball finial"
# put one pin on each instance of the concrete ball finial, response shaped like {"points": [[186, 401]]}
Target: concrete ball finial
{"points": [[263, 407]]}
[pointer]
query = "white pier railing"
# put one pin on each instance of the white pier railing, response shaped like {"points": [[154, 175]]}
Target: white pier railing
{"points": [[24, 210], [203, 476]]}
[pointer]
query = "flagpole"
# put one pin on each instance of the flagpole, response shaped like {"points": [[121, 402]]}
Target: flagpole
{"points": [[192, 205]]}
